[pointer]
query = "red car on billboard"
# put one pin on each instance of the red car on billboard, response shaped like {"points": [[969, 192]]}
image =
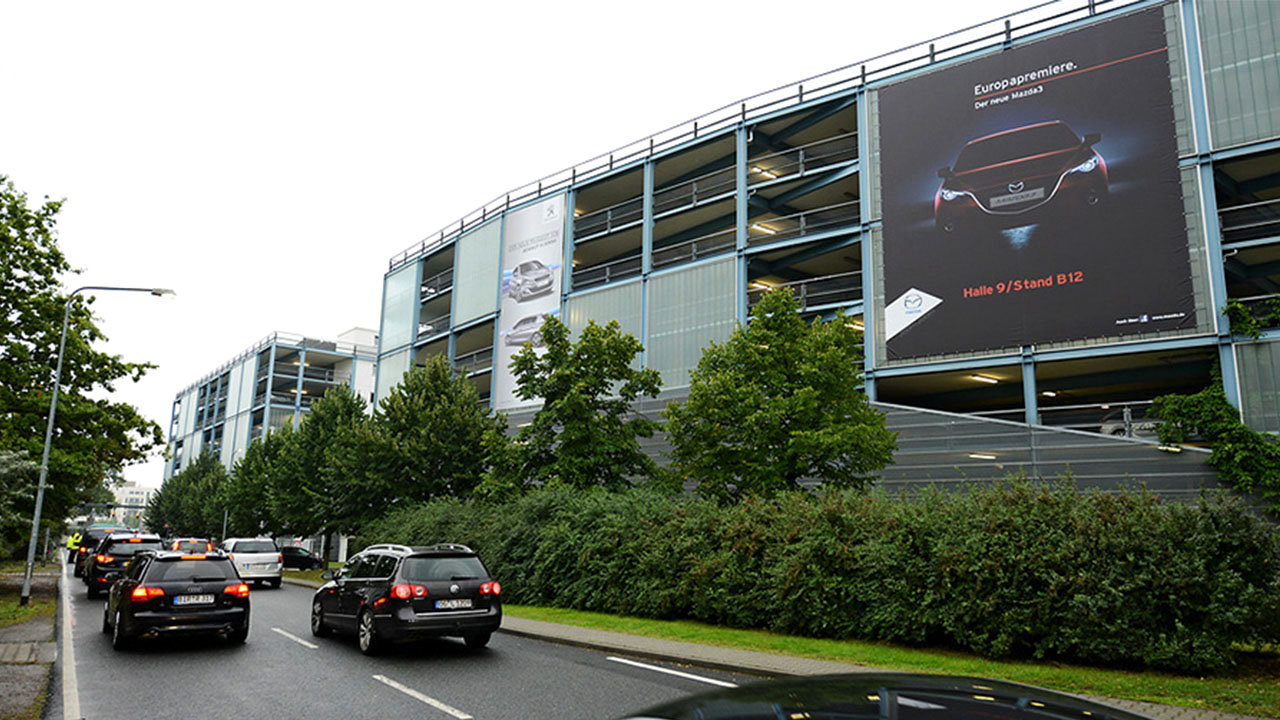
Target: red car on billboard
{"points": [[1011, 178]]}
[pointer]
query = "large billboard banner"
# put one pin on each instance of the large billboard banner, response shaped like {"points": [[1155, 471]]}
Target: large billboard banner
{"points": [[1034, 196], [532, 259]]}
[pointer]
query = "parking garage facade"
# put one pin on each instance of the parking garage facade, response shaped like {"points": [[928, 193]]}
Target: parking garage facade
{"points": [[1134, 152]]}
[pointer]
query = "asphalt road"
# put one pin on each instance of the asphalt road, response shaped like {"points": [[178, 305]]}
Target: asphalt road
{"points": [[284, 672]]}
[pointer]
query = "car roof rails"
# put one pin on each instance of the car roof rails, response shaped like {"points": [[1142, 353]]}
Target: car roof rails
{"points": [[389, 546], [449, 547]]}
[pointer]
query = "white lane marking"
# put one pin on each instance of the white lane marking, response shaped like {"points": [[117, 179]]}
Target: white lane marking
{"points": [[70, 690], [689, 676], [419, 696], [295, 638]]}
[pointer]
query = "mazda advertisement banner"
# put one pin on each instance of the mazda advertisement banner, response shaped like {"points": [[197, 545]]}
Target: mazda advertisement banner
{"points": [[532, 259], [1034, 196]]}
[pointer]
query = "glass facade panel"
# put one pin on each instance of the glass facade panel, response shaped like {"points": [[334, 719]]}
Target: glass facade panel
{"points": [[1241, 51], [1259, 368], [621, 303], [476, 273], [687, 310], [248, 381], [390, 369], [399, 296]]}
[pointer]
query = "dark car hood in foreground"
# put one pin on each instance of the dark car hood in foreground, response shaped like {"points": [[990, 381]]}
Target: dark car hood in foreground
{"points": [[880, 695]]}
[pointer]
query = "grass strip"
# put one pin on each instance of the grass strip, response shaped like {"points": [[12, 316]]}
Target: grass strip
{"points": [[1253, 688]]}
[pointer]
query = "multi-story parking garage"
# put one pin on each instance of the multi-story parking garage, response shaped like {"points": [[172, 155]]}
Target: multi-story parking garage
{"points": [[1038, 221]]}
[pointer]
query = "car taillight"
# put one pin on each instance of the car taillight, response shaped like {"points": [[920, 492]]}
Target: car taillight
{"points": [[103, 558], [491, 588], [84, 549], [404, 592], [143, 593], [193, 557], [280, 558], [240, 590]]}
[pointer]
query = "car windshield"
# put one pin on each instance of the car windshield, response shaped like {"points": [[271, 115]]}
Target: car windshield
{"points": [[192, 546], [191, 570], [255, 546], [465, 567], [1015, 145], [531, 266], [126, 548]]}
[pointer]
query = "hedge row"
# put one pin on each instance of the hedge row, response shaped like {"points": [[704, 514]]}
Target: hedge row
{"points": [[1006, 570]]}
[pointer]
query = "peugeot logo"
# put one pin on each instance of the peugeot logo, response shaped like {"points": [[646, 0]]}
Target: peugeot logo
{"points": [[912, 301], [454, 589], [1016, 187]]}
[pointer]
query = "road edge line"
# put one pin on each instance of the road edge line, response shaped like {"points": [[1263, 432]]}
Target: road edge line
{"points": [[70, 687]]}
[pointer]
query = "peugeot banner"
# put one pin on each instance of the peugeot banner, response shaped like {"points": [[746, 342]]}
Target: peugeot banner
{"points": [[532, 259], [1034, 196]]}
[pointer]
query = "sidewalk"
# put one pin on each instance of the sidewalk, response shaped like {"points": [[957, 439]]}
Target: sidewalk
{"points": [[27, 650], [758, 663]]}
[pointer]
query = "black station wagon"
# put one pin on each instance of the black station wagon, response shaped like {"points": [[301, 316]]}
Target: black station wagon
{"points": [[391, 593]]}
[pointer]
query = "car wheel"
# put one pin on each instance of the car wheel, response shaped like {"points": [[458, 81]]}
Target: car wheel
{"points": [[119, 641], [274, 583], [239, 635], [93, 592], [477, 640], [77, 572], [106, 620], [370, 644], [318, 628]]}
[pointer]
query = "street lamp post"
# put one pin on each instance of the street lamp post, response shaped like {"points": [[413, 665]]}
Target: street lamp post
{"points": [[48, 433]]}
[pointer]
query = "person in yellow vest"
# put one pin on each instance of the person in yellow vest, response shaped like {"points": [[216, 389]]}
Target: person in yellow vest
{"points": [[73, 543]]}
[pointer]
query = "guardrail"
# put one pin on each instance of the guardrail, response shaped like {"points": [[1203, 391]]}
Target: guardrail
{"points": [[1250, 221], [799, 160], [690, 250], [1000, 31], [607, 272], [803, 223], [837, 289]]}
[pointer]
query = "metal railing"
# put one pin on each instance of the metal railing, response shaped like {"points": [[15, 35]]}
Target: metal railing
{"points": [[282, 338], [690, 250], [1265, 309], [712, 184], [1250, 221], [997, 32], [474, 361], [797, 161], [803, 223], [1130, 418], [436, 284], [438, 324], [609, 219], [838, 289], [606, 272]]}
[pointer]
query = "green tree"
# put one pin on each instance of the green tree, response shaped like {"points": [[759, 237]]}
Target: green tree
{"points": [[189, 502], [17, 481], [585, 434], [321, 465], [434, 436], [95, 438], [247, 493], [778, 402]]}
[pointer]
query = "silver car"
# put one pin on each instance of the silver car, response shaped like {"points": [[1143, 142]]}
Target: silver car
{"points": [[256, 559]]}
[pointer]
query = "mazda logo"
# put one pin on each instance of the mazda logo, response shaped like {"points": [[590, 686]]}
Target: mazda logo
{"points": [[454, 589], [912, 301], [1016, 187]]}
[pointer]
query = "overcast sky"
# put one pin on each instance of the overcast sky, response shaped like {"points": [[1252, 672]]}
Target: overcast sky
{"points": [[266, 159]]}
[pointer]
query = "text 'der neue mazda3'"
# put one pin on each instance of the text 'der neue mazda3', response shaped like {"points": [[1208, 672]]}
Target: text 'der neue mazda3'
{"points": [[1016, 176]]}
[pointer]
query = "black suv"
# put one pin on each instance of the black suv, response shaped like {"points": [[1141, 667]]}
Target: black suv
{"points": [[169, 593], [114, 553], [394, 592]]}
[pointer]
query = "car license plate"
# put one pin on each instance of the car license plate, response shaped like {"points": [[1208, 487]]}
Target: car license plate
{"points": [[1015, 198], [193, 600], [457, 604]]}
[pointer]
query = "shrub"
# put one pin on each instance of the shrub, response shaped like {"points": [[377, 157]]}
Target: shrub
{"points": [[1013, 569]]}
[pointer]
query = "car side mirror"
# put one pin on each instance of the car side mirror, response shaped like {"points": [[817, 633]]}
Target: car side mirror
{"points": [[326, 575], [945, 172], [1092, 139]]}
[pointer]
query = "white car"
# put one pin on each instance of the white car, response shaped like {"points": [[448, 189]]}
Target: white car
{"points": [[256, 559]]}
